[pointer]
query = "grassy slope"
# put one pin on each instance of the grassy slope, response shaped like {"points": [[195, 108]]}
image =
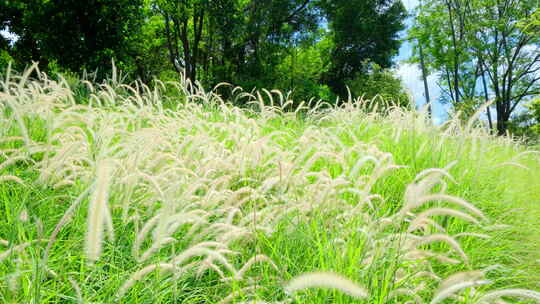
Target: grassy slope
{"points": [[506, 193]]}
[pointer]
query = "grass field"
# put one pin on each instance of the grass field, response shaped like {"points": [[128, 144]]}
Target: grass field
{"points": [[127, 199]]}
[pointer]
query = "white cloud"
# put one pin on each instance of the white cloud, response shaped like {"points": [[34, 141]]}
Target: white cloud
{"points": [[410, 4], [411, 75]]}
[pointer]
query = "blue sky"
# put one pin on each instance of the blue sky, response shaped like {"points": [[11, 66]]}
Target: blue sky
{"points": [[412, 76]]}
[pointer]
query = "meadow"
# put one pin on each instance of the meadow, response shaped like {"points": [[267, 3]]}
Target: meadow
{"points": [[137, 196]]}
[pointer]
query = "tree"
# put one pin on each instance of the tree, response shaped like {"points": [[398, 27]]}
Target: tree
{"points": [[76, 34], [308, 46], [302, 69], [232, 39], [249, 43], [534, 109], [5, 60], [441, 31], [379, 82], [184, 23], [531, 25], [472, 40], [526, 124], [509, 55], [270, 30], [362, 30], [148, 48]]}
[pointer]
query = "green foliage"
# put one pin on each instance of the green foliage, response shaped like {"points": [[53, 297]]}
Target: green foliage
{"points": [[441, 28], [362, 30], [151, 58], [380, 84], [234, 41], [302, 69], [531, 121], [281, 44], [534, 108], [77, 35], [531, 24], [526, 123], [311, 47], [5, 60], [472, 42]]}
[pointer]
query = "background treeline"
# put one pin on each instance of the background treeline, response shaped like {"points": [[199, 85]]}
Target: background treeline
{"points": [[479, 50], [313, 47]]}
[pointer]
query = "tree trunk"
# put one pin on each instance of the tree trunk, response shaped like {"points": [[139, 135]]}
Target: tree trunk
{"points": [[424, 77], [456, 54], [503, 117], [490, 121]]}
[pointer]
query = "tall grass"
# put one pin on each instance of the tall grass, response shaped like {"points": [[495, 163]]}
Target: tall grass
{"points": [[208, 202]]}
